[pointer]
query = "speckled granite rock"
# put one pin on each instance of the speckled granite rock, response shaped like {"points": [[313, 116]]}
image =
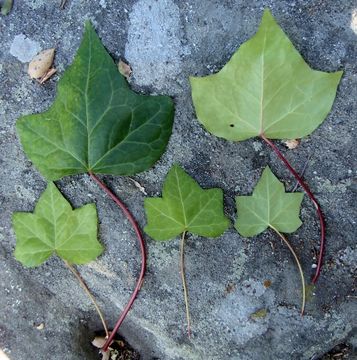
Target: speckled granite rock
{"points": [[165, 41]]}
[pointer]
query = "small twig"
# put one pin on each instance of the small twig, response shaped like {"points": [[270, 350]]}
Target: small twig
{"points": [[46, 76], [184, 283], [63, 3], [302, 173], [138, 185], [87, 291], [298, 265]]}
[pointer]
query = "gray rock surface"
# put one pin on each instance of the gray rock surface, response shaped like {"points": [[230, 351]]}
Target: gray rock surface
{"points": [[23, 48], [165, 41]]}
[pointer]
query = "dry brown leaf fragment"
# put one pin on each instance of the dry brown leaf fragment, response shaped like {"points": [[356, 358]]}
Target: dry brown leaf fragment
{"points": [[292, 143], [48, 75], [229, 288], [138, 185], [99, 341], [105, 355], [124, 69], [120, 343], [40, 326], [40, 65]]}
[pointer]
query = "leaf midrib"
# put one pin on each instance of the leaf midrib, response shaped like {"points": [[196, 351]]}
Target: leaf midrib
{"points": [[86, 97], [181, 200], [125, 138], [164, 214], [199, 212], [262, 65], [54, 221]]}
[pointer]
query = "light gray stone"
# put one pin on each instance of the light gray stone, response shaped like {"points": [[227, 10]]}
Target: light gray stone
{"points": [[23, 48], [153, 48]]}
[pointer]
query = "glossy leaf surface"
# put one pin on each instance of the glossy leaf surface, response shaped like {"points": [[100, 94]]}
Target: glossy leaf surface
{"points": [[266, 88], [96, 122], [55, 228], [268, 206], [185, 206]]}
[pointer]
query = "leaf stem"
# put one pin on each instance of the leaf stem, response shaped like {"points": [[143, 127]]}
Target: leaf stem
{"points": [[298, 265], [143, 257], [314, 201], [184, 283], [87, 291]]}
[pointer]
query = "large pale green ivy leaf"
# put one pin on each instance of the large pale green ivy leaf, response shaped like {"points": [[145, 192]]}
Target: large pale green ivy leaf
{"points": [[55, 228], [96, 123], [266, 88], [185, 206], [269, 206]]}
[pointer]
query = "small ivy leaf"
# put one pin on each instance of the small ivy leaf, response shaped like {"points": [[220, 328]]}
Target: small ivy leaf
{"points": [[96, 124], [269, 206], [265, 89], [55, 228], [185, 206], [292, 143], [6, 7]]}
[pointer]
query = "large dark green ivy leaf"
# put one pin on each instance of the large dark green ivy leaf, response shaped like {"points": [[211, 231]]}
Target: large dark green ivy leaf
{"points": [[185, 206], [269, 206], [55, 228], [266, 88], [96, 123]]}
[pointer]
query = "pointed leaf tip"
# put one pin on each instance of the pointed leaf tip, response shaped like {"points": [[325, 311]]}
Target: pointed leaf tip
{"points": [[88, 25]]}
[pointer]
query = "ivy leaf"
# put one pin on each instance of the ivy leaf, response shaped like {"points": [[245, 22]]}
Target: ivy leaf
{"points": [[96, 124], [6, 7], [185, 206], [55, 228], [269, 206], [265, 89]]}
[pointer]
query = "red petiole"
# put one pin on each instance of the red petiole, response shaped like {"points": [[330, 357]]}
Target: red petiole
{"points": [[143, 257], [311, 196]]}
